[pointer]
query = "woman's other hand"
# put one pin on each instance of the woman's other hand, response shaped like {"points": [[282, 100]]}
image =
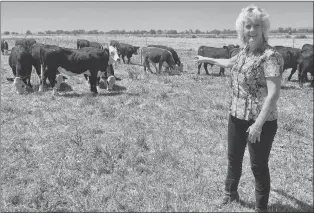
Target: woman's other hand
{"points": [[254, 134]]}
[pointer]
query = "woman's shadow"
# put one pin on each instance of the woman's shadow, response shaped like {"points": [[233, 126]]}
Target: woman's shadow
{"points": [[279, 207]]}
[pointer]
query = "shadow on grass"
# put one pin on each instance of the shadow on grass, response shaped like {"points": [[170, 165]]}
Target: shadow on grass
{"points": [[65, 87], [113, 93], [289, 87], [76, 95], [279, 207], [115, 87], [214, 75], [293, 80]]}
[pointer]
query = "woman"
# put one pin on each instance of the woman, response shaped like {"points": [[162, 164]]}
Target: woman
{"points": [[255, 84]]}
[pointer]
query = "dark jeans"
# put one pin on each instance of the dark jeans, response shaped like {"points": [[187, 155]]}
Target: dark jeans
{"points": [[259, 154]]}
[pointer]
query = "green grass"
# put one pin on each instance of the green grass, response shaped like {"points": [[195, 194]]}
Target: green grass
{"points": [[156, 143]]}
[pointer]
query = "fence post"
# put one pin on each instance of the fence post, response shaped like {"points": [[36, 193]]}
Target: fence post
{"points": [[293, 42]]}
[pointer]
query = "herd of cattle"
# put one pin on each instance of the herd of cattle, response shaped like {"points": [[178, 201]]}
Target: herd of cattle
{"points": [[96, 61]]}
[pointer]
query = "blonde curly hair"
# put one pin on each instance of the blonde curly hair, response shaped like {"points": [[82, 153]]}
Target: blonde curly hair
{"points": [[252, 12]]}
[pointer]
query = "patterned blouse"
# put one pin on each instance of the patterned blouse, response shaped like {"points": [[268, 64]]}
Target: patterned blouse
{"points": [[248, 81]]}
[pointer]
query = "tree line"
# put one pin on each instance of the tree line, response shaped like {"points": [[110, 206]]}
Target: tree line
{"points": [[158, 32]]}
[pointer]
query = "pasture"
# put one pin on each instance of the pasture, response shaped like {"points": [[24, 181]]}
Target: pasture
{"points": [[156, 143]]}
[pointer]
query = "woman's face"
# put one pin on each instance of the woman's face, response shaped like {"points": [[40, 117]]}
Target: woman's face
{"points": [[253, 32]]}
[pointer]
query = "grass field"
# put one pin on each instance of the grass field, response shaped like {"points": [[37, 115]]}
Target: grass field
{"points": [[156, 143]]}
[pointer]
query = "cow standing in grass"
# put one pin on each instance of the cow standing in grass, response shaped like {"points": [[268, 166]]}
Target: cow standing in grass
{"points": [[4, 46], [157, 55], [305, 62], [71, 62], [127, 50], [80, 43], [20, 61], [291, 57], [173, 52], [214, 52], [112, 51]]}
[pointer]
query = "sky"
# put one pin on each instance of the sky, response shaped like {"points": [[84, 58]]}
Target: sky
{"points": [[139, 15]]}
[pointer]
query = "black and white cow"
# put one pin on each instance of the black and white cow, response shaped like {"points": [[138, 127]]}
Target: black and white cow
{"points": [[71, 62]]}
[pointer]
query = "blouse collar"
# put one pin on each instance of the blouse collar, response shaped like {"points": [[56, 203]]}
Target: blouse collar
{"points": [[260, 49]]}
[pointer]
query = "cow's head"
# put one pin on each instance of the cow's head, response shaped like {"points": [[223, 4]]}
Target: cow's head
{"points": [[170, 63], [180, 67], [113, 55], [20, 85], [135, 50], [110, 82]]}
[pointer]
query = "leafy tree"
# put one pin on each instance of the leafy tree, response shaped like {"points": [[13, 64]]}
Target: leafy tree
{"points": [[28, 32], [197, 31], [6, 33], [41, 33], [49, 32], [59, 31], [159, 31], [152, 31], [172, 32]]}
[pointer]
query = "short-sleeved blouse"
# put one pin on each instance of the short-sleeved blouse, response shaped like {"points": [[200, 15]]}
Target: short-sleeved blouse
{"points": [[248, 81]]}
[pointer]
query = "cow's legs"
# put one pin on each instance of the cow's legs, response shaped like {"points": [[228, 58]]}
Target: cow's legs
{"points": [[86, 77], [93, 81], [146, 64], [14, 70], [205, 67], [51, 73], [199, 68], [292, 72], [160, 65], [123, 58], [301, 74], [43, 78], [222, 71], [37, 68], [129, 60]]}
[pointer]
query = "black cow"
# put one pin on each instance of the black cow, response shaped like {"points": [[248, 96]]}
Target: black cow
{"points": [[173, 52], [113, 53], [291, 56], [82, 43], [25, 42], [307, 47], [234, 51], [46, 56], [157, 55], [115, 44], [4, 46], [20, 60], [127, 50], [214, 52], [95, 45], [305, 62]]}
